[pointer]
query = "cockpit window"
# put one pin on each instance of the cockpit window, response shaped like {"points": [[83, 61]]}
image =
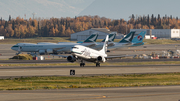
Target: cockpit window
{"points": [[75, 47], [15, 46]]}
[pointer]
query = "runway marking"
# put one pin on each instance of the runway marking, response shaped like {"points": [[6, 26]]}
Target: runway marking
{"points": [[107, 97]]}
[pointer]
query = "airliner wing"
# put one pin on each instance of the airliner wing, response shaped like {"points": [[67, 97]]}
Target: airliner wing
{"points": [[58, 48], [111, 44], [91, 45], [120, 56], [63, 56]]}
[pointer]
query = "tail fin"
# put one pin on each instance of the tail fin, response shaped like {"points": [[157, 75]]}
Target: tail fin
{"points": [[111, 37], [92, 38], [104, 49], [128, 38], [138, 40]]}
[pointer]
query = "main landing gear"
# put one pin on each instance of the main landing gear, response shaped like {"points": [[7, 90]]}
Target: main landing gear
{"points": [[97, 64], [82, 63]]}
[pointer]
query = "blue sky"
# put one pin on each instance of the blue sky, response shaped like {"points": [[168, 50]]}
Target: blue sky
{"points": [[114, 9]]}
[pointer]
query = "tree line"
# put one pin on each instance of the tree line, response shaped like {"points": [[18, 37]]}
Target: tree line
{"points": [[23, 28]]}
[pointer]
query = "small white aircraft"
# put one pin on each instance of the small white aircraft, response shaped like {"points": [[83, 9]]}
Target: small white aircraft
{"points": [[84, 53]]}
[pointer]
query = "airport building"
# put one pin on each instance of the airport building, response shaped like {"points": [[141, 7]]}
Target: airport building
{"points": [[102, 32], [160, 33]]}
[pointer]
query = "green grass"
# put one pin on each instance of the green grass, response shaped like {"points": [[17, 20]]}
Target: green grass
{"points": [[102, 64], [32, 83]]}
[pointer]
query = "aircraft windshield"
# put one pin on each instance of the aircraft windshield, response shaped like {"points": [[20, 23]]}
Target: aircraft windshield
{"points": [[75, 48]]}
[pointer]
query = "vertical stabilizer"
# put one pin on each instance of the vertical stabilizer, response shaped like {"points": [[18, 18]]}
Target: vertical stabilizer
{"points": [[128, 38], [138, 40], [139, 37], [104, 49], [111, 37], [92, 38]]}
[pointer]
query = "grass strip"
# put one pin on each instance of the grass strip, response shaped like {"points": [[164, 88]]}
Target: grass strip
{"points": [[133, 80], [102, 64]]}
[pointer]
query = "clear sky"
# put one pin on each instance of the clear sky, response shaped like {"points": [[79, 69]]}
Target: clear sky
{"points": [[114, 9], [117, 9]]}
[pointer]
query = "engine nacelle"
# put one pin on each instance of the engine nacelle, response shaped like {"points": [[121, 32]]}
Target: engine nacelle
{"points": [[41, 52], [71, 59], [49, 51], [100, 58]]}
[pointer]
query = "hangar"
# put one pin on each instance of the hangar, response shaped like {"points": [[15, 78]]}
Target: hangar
{"points": [[102, 32], [160, 33]]}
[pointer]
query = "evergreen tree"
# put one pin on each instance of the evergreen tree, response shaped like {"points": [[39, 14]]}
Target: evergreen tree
{"points": [[9, 17]]}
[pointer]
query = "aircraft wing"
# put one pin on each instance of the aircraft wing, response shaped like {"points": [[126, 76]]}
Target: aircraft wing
{"points": [[63, 56], [111, 44], [91, 45], [120, 56], [58, 48]]}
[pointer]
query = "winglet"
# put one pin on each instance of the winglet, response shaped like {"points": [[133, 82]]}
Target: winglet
{"points": [[128, 37], [104, 49], [92, 38]]}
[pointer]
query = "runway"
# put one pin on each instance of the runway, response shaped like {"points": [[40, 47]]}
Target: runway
{"points": [[65, 61], [6, 52], [7, 72], [158, 93]]}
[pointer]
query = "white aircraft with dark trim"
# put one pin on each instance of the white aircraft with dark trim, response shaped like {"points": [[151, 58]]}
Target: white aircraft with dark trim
{"points": [[83, 53]]}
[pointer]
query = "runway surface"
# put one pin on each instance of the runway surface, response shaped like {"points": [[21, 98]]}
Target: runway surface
{"points": [[6, 52], [65, 61], [158, 93], [7, 72]]}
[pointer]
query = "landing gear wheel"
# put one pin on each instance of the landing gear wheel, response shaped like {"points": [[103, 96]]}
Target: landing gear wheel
{"points": [[97, 64], [82, 64]]}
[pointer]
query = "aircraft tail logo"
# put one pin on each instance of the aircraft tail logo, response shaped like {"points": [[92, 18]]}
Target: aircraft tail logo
{"points": [[128, 38], [111, 38], [140, 37], [92, 38]]}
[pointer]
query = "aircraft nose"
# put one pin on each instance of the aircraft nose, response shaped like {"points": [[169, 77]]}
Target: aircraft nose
{"points": [[15, 47]]}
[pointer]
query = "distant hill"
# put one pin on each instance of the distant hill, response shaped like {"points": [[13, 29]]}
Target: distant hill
{"points": [[42, 8]]}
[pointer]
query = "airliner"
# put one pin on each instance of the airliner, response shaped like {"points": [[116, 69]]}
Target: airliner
{"points": [[84, 53], [52, 48]]}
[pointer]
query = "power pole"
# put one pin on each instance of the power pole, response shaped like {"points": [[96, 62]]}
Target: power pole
{"points": [[33, 15]]}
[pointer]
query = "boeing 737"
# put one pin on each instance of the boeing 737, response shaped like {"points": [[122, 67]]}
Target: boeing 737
{"points": [[84, 53]]}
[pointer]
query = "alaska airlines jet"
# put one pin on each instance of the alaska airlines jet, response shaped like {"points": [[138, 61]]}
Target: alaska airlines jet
{"points": [[84, 53], [52, 48]]}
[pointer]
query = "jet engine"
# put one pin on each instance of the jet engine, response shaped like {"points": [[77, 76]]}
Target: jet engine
{"points": [[100, 58], [42, 52], [49, 51], [71, 59]]}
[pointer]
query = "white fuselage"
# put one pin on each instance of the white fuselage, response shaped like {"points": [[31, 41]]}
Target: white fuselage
{"points": [[86, 53], [59, 47]]}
